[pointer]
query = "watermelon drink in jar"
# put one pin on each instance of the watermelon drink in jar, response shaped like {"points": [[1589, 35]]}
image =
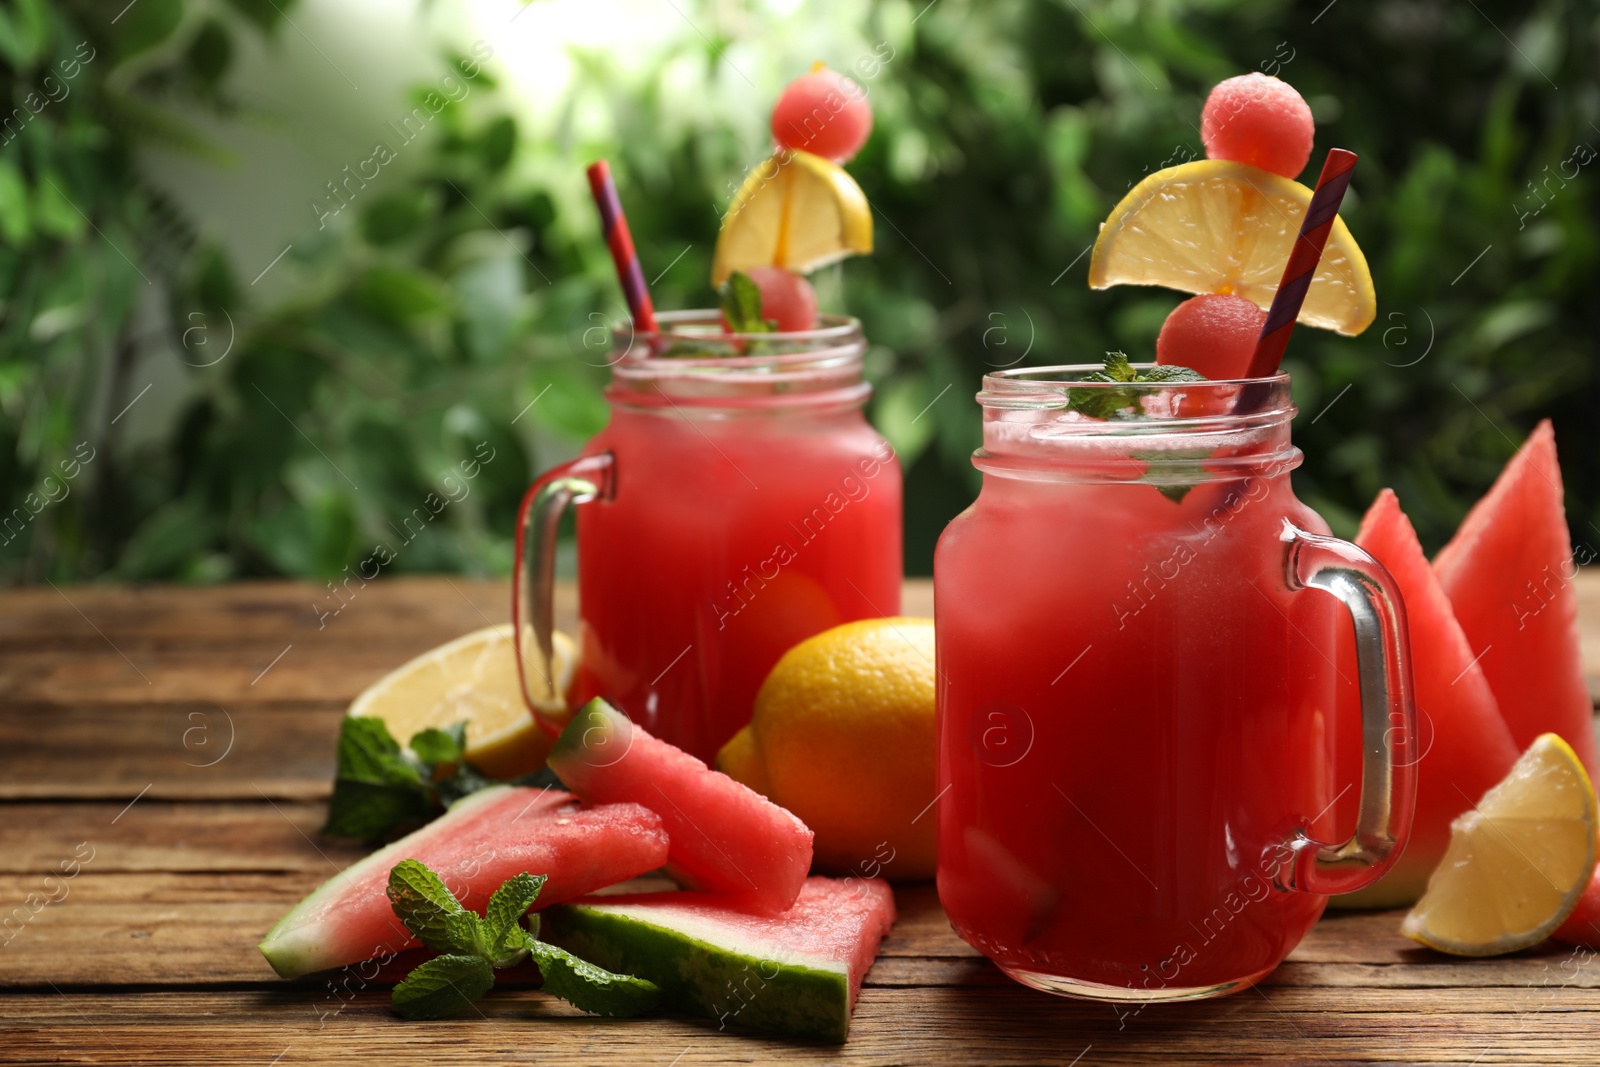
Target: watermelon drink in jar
{"points": [[1137, 622], [737, 502], [733, 506]]}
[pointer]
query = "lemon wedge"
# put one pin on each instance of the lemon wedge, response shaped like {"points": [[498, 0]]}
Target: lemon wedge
{"points": [[797, 211], [1216, 226], [474, 679], [1517, 863]]}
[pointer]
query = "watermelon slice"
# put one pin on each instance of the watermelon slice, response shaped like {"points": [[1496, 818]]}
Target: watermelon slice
{"points": [[725, 837], [797, 973], [1463, 746], [1508, 573], [479, 843], [1583, 925]]}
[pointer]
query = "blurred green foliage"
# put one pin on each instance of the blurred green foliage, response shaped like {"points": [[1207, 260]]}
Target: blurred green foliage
{"points": [[450, 312]]}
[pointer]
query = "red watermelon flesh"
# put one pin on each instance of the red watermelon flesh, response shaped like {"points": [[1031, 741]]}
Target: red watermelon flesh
{"points": [[1582, 927], [481, 841], [1508, 573], [797, 973], [726, 838], [1463, 745]]}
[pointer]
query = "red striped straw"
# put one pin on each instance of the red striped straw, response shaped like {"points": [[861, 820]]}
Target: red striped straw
{"points": [[615, 225], [1303, 259]]}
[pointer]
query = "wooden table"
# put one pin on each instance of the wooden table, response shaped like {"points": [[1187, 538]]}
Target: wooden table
{"points": [[178, 744]]}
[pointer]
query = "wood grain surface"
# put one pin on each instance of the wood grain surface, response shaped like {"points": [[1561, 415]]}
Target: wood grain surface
{"points": [[176, 745]]}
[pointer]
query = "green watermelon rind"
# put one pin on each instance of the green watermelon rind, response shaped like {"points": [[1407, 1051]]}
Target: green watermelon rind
{"points": [[742, 984], [595, 717], [295, 948]]}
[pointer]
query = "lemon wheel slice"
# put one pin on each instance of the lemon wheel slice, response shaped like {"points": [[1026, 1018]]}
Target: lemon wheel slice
{"points": [[474, 679], [1517, 863], [797, 211], [1215, 226]]}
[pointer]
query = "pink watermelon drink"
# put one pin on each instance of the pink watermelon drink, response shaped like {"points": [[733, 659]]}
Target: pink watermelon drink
{"points": [[1136, 712], [725, 837], [796, 973], [738, 501], [476, 845], [752, 508]]}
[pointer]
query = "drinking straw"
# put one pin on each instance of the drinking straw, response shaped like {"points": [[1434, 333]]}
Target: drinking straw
{"points": [[1303, 259], [615, 225]]}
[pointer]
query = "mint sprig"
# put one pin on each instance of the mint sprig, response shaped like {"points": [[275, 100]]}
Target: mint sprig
{"points": [[1119, 403], [425, 904], [741, 305], [473, 947], [594, 989], [1124, 404], [442, 986], [380, 786]]}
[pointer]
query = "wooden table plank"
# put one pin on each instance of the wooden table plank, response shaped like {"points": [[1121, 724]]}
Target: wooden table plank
{"points": [[994, 1025], [116, 695]]}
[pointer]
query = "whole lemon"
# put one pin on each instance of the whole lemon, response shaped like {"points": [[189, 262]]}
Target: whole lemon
{"points": [[842, 735]]}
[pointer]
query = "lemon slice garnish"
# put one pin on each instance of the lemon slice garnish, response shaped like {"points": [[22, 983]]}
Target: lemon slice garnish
{"points": [[1215, 226], [797, 211]]}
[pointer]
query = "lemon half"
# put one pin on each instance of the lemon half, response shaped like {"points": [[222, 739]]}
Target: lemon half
{"points": [[1216, 226], [842, 735], [1517, 863], [474, 679], [797, 211]]}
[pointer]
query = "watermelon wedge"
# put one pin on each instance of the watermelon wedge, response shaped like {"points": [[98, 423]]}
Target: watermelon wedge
{"points": [[481, 841], [1583, 925], [1463, 745], [725, 838], [1508, 573], [797, 973]]}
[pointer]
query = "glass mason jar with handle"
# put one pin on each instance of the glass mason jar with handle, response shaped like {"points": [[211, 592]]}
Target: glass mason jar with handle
{"points": [[1137, 626], [736, 503]]}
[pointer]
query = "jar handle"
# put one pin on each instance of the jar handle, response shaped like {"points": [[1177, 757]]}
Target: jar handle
{"points": [[1388, 716], [534, 565]]}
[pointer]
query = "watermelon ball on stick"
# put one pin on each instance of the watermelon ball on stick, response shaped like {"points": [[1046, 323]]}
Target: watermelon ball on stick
{"points": [[1213, 334], [1259, 120], [824, 113]]}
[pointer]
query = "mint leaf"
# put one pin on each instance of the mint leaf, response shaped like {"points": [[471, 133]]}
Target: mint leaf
{"points": [[1173, 492], [442, 986], [380, 787], [368, 754], [473, 947], [741, 305], [468, 934], [1162, 373], [590, 988], [366, 811], [426, 905], [696, 350], [437, 746], [1121, 403], [1118, 368], [464, 782], [504, 914]]}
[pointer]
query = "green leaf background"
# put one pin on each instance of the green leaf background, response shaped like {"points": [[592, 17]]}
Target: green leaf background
{"points": [[447, 313]]}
